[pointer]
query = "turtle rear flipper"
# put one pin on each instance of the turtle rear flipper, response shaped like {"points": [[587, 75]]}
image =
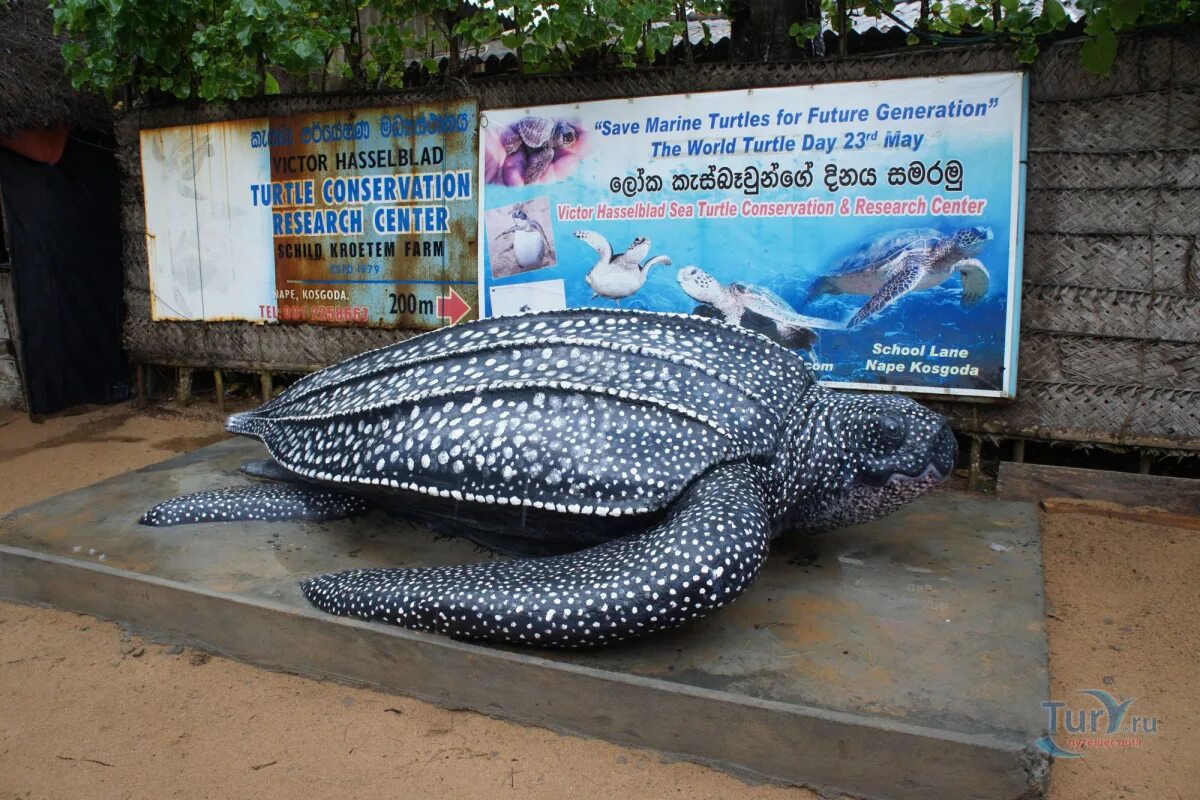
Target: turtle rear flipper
{"points": [[703, 555], [903, 277], [975, 281], [263, 502]]}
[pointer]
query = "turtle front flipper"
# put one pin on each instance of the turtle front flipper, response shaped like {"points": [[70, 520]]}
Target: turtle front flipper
{"points": [[703, 555], [822, 287], [903, 277], [268, 502], [975, 280], [539, 161]]}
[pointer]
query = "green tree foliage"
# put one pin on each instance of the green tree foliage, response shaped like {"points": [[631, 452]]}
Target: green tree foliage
{"points": [[1024, 23], [226, 49]]}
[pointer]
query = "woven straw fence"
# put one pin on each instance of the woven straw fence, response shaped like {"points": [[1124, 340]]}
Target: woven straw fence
{"points": [[1110, 334]]}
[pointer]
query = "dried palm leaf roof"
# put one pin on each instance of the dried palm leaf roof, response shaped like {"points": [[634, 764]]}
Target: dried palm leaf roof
{"points": [[34, 89]]}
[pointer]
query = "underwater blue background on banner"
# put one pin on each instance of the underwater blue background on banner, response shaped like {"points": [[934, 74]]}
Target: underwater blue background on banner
{"points": [[928, 339]]}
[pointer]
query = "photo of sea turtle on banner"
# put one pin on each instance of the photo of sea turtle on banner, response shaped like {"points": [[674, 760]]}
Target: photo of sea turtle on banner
{"points": [[533, 150], [753, 307], [901, 262], [619, 275]]}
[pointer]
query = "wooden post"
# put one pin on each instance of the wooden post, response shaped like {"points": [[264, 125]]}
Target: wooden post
{"points": [[219, 383], [842, 13], [1019, 451], [267, 391], [183, 385], [1144, 463], [139, 371], [973, 470]]}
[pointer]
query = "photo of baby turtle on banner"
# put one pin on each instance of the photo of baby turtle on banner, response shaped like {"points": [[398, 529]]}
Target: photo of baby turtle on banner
{"points": [[620, 275], [533, 150], [753, 307], [901, 262], [530, 243], [638, 464], [520, 237]]}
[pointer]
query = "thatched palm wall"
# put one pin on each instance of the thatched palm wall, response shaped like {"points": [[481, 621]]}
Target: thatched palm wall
{"points": [[1110, 334]]}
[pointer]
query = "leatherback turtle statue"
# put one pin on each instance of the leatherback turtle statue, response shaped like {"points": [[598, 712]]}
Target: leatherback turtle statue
{"points": [[638, 464]]}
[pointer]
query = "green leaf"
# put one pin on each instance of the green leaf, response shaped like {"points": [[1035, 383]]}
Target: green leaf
{"points": [[1099, 53], [1125, 13], [1053, 11], [271, 84], [303, 48]]}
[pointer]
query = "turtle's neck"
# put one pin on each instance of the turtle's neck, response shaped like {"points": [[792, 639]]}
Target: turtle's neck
{"points": [[803, 458], [811, 461]]}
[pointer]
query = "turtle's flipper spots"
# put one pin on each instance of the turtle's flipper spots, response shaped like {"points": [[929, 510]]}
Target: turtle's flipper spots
{"points": [[703, 555], [262, 502], [267, 470], [597, 243], [975, 281], [903, 277]]}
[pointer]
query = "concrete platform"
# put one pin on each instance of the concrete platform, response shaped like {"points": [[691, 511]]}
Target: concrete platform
{"points": [[905, 659]]}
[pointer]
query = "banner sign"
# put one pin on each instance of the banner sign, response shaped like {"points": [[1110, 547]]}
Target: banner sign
{"points": [[874, 226], [363, 217]]}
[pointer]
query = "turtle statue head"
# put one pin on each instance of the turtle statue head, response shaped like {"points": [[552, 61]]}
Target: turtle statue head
{"points": [[866, 456], [971, 240]]}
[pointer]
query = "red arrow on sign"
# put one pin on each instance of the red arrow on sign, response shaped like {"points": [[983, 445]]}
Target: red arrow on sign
{"points": [[453, 307]]}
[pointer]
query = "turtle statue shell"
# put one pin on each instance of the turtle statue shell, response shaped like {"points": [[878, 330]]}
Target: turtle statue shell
{"points": [[637, 463]]}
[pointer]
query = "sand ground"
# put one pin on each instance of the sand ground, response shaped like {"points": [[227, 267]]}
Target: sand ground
{"points": [[87, 712]]}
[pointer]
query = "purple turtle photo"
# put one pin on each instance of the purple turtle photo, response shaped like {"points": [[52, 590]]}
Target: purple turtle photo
{"points": [[533, 150]]}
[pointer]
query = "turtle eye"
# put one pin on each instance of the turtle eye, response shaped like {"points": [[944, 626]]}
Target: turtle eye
{"points": [[892, 428]]}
